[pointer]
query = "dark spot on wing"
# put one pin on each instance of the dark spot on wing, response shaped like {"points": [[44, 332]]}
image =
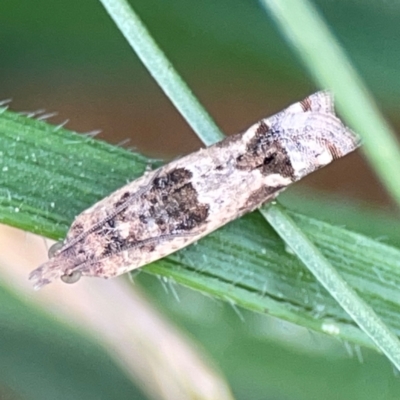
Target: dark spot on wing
{"points": [[76, 229], [265, 151], [114, 243], [122, 199], [262, 128], [171, 203], [175, 204], [110, 223], [175, 177]]}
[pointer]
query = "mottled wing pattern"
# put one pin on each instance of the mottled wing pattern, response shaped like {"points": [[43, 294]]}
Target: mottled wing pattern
{"points": [[167, 209]]}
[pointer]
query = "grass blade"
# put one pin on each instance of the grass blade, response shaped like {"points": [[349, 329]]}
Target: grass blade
{"points": [[361, 313], [54, 174]]}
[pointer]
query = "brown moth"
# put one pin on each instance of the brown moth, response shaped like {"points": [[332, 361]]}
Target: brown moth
{"points": [[179, 203]]}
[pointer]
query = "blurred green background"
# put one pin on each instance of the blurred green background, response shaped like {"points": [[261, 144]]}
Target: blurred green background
{"points": [[70, 58]]}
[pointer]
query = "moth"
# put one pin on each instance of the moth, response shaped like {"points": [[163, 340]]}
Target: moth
{"points": [[179, 203]]}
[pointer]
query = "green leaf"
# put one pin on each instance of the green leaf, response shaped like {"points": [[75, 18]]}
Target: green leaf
{"points": [[50, 175], [55, 179]]}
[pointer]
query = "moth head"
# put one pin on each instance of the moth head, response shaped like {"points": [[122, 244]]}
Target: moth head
{"points": [[60, 265]]}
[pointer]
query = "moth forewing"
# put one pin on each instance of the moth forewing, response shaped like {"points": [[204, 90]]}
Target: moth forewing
{"points": [[177, 204]]}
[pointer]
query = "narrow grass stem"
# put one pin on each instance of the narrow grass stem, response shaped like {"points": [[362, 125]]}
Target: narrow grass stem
{"points": [[181, 96], [362, 314]]}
